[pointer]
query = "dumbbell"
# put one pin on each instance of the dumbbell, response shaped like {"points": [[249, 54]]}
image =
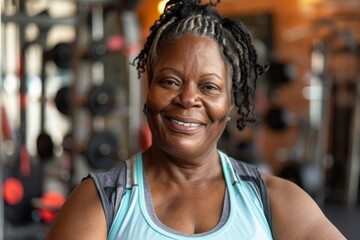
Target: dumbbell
{"points": [[44, 146], [99, 49], [279, 119], [101, 150], [280, 73], [62, 53], [100, 100]]}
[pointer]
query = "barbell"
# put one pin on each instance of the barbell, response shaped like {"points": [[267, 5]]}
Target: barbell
{"points": [[62, 53], [101, 150], [100, 100]]}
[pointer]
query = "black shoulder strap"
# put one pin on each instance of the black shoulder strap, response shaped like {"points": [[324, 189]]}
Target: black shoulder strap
{"points": [[248, 172], [110, 185]]}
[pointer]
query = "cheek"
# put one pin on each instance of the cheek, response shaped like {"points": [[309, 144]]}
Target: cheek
{"points": [[156, 99], [219, 110]]}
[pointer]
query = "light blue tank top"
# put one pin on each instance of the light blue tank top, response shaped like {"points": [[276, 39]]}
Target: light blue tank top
{"points": [[246, 218]]}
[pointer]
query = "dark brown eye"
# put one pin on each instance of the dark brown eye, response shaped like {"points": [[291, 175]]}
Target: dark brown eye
{"points": [[170, 83], [210, 88]]}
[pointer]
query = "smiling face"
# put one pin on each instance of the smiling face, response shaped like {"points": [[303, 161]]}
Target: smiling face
{"points": [[189, 97]]}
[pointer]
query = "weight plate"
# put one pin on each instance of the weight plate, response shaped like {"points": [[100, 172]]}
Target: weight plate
{"points": [[101, 150], [44, 146], [101, 100], [62, 55], [62, 99]]}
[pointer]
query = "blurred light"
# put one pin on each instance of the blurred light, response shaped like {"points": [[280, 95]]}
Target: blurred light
{"points": [[62, 8], [313, 93], [10, 83], [317, 61], [9, 147], [311, 2], [34, 86], [115, 43], [308, 6], [282, 154], [161, 6]]}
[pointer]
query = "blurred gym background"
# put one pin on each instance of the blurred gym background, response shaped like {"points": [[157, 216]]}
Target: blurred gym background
{"points": [[71, 103]]}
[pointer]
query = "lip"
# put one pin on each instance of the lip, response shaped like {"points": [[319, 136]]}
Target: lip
{"points": [[183, 125]]}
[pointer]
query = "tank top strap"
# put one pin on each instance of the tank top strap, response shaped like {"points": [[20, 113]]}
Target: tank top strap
{"points": [[228, 168], [131, 179]]}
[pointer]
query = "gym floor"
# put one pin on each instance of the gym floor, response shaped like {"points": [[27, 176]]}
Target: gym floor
{"points": [[345, 219]]}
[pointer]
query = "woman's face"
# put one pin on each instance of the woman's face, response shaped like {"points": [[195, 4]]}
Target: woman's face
{"points": [[189, 97]]}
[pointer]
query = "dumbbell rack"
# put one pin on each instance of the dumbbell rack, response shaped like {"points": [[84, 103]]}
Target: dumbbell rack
{"points": [[125, 122], [27, 171], [82, 124], [325, 78]]}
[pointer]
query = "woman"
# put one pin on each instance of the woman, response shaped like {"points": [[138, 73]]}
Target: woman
{"points": [[199, 66]]}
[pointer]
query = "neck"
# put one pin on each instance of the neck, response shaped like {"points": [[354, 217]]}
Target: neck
{"points": [[182, 169]]}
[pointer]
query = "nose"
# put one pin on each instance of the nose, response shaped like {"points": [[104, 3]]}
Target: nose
{"points": [[188, 97]]}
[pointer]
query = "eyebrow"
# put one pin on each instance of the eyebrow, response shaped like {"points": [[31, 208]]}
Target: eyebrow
{"points": [[177, 72], [212, 74]]}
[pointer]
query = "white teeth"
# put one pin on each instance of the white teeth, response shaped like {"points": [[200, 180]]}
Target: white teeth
{"points": [[185, 124]]}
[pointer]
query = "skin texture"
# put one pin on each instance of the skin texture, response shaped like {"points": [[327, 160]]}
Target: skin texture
{"points": [[189, 87], [191, 84]]}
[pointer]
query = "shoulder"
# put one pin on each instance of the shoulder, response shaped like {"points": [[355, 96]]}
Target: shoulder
{"points": [[249, 173], [81, 217], [88, 211], [111, 177], [295, 215]]}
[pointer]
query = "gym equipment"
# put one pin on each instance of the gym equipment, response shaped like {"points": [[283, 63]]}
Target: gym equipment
{"points": [[100, 48], [48, 205], [13, 191], [132, 39], [280, 73], [24, 158], [100, 151], [100, 100], [18, 190], [44, 146], [279, 119], [5, 126], [334, 159], [60, 54], [353, 181], [41, 20], [44, 143]]}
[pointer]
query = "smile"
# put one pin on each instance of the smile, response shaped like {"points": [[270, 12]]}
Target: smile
{"points": [[185, 124]]}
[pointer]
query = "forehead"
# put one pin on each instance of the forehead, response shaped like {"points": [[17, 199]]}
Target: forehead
{"points": [[192, 56], [190, 48]]}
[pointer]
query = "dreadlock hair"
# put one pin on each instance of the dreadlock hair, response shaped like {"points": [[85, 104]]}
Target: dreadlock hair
{"points": [[182, 17]]}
